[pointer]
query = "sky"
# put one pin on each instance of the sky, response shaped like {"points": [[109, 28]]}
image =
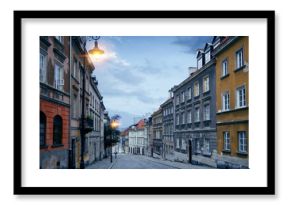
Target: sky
{"points": [[136, 72]]}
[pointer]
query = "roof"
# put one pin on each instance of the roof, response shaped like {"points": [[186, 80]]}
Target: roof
{"points": [[140, 124]]}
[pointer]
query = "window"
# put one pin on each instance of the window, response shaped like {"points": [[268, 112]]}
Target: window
{"points": [[183, 144], [74, 106], [183, 118], [177, 119], [189, 93], [58, 77], [177, 99], [206, 146], [59, 38], [197, 115], [197, 145], [189, 117], [239, 58], [199, 63], [42, 129], [241, 97], [206, 84], [243, 144], [206, 112], [57, 130], [177, 143], [75, 69], [207, 57], [227, 145], [225, 67], [196, 89], [182, 97], [42, 68], [226, 101]]}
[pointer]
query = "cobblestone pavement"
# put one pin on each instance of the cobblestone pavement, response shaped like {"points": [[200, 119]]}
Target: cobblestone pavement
{"points": [[128, 161]]}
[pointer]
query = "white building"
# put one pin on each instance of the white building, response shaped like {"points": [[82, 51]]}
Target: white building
{"points": [[138, 142]]}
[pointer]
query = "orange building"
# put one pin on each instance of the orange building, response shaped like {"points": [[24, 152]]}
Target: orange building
{"points": [[232, 100], [54, 101]]}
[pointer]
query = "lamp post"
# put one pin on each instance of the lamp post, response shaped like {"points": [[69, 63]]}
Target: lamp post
{"points": [[95, 51], [114, 124]]}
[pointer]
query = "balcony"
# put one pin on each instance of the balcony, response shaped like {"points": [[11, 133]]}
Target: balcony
{"points": [[88, 125]]}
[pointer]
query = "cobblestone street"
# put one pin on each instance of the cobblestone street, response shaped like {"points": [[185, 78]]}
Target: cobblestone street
{"points": [[127, 161]]}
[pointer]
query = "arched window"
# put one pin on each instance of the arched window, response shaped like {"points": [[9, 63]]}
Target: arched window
{"points": [[57, 130], [42, 129]]}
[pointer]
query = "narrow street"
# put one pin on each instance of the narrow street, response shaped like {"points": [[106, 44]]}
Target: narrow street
{"points": [[128, 161]]}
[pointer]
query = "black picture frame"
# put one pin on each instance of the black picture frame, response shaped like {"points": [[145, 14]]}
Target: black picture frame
{"points": [[19, 189]]}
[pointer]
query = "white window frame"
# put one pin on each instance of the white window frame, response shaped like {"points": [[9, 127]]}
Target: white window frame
{"points": [[42, 67], [199, 63], [206, 84], [226, 101], [189, 93], [59, 38], [225, 67], [196, 89], [206, 112], [227, 140], [58, 77], [241, 97], [207, 57], [243, 142], [240, 58], [182, 96]]}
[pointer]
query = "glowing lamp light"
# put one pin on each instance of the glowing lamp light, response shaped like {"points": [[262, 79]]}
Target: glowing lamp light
{"points": [[114, 124], [96, 51]]}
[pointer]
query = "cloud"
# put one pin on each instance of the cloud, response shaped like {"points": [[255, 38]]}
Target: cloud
{"points": [[191, 43]]}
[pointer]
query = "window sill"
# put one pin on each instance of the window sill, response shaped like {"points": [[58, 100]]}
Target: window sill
{"points": [[206, 92], [225, 76], [57, 145], [43, 146], [242, 153], [226, 151], [240, 68]]}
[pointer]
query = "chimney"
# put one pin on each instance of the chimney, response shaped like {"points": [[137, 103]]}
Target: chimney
{"points": [[192, 70]]}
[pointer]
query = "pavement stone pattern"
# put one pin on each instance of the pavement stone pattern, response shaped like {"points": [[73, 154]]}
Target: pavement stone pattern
{"points": [[128, 161]]}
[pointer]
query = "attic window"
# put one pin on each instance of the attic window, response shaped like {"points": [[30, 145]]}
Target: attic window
{"points": [[199, 63], [207, 57]]}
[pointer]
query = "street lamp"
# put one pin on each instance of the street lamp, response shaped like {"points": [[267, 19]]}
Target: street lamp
{"points": [[95, 51], [114, 124]]}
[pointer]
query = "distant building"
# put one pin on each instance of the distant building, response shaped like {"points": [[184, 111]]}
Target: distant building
{"points": [[167, 122], [54, 101], [138, 138], [157, 128], [232, 104], [149, 131], [125, 141]]}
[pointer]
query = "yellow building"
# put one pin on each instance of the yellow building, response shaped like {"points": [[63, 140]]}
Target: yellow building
{"points": [[232, 100]]}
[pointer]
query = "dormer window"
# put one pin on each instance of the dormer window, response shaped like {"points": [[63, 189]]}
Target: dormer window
{"points": [[207, 57], [199, 63]]}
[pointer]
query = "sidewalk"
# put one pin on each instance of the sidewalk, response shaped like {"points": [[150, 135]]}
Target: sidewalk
{"points": [[176, 165], [104, 163]]}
